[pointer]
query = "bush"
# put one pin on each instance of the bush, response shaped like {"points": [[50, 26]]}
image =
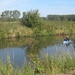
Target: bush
{"points": [[31, 19]]}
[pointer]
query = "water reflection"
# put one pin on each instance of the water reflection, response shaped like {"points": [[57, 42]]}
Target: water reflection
{"points": [[21, 50], [58, 50], [17, 55]]}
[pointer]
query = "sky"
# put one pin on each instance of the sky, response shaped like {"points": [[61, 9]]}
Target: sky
{"points": [[45, 7]]}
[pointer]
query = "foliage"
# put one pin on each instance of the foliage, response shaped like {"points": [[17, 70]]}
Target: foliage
{"points": [[61, 17], [46, 65], [16, 14], [31, 19], [32, 24], [10, 15], [17, 29], [14, 29]]}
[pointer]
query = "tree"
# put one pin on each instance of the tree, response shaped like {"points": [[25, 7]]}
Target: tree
{"points": [[11, 14], [16, 14], [2, 15], [53, 17], [63, 18], [31, 18]]}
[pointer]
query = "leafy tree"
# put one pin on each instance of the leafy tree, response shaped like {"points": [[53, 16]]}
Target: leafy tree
{"points": [[2, 15], [53, 17], [16, 14], [63, 18], [31, 18], [11, 14], [6, 13]]}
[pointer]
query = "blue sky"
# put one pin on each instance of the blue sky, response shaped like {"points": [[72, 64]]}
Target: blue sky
{"points": [[45, 7]]}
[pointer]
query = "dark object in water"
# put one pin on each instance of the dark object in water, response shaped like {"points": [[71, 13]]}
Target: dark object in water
{"points": [[67, 43]]}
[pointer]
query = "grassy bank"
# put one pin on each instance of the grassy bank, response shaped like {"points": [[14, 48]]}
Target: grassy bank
{"points": [[47, 66], [16, 29]]}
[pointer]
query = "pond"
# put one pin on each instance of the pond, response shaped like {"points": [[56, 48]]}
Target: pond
{"points": [[21, 49]]}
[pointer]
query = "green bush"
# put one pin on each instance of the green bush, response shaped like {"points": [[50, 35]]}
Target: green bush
{"points": [[31, 18]]}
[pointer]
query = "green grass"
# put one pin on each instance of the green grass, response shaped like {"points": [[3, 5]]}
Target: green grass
{"points": [[16, 29], [47, 66]]}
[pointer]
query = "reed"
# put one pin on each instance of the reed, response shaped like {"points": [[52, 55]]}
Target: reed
{"points": [[48, 65], [16, 29]]}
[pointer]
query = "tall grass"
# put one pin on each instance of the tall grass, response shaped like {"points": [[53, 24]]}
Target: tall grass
{"points": [[16, 29], [45, 66], [56, 28]]}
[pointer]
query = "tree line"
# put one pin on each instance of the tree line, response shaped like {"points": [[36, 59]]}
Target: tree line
{"points": [[15, 14], [61, 17], [10, 14]]}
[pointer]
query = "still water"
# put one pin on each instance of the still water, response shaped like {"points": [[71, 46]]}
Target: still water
{"points": [[21, 49]]}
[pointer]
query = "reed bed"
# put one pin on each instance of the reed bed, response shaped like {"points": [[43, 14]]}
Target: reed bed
{"points": [[47, 65], [17, 29]]}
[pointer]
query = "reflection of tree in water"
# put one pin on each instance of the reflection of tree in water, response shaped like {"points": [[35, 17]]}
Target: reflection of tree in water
{"points": [[34, 44], [14, 42], [37, 44]]}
